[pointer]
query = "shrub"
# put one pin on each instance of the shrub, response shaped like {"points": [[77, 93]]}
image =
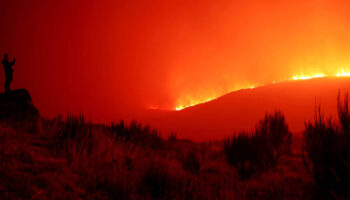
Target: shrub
{"points": [[274, 127], [137, 134], [172, 137], [74, 138], [157, 181], [249, 153], [50, 126], [259, 150], [328, 147], [92, 153], [191, 162]]}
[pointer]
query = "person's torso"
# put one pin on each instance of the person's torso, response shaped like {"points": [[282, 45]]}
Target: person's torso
{"points": [[7, 66]]}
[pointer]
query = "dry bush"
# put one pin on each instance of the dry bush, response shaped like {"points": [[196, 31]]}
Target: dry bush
{"points": [[328, 147], [275, 128], [172, 137], [249, 154], [95, 156], [27, 174], [74, 138], [162, 178], [257, 151], [157, 180], [191, 162], [137, 134], [49, 127]]}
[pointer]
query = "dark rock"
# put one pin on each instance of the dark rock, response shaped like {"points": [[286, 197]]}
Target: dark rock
{"points": [[17, 105]]}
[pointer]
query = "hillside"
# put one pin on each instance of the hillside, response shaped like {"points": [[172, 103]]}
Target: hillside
{"points": [[240, 110], [44, 158]]}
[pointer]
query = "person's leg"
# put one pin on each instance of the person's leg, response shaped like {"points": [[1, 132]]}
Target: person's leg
{"points": [[7, 85], [8, 82]]}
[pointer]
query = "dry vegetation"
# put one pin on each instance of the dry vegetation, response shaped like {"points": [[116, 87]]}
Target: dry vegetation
{"points": [[75, 159], [328, 146], [260, 150]]}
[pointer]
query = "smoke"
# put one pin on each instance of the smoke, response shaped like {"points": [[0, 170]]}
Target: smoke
{"points": [[113, 58]]}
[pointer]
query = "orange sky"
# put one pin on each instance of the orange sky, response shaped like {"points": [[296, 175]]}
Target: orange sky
{"points": [[111, 58]]}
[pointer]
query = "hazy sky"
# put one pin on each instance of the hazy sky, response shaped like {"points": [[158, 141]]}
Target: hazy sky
{"points": [[110, 58]]}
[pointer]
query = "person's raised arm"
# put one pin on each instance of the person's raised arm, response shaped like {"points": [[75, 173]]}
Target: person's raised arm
{"points": [[13, 61]]}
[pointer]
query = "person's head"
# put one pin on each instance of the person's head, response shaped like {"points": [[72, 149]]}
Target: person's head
{"points": [[6, 56]]}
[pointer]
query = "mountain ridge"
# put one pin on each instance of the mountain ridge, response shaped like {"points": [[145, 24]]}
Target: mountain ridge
{"points": [[242, 109]]}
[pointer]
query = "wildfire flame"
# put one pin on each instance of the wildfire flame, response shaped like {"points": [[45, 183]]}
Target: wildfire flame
{"points": [[340, 73], [194, 103], [308, 77]]}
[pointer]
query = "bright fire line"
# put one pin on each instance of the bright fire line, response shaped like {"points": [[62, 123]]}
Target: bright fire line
{"points": [[340, 73]]}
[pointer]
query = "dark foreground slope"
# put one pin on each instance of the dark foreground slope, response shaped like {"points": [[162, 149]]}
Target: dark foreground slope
{"points": [[74, 159], [240, 110]]}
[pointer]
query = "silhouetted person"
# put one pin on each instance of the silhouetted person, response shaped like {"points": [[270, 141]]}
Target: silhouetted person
{"points": [[8, 71]]}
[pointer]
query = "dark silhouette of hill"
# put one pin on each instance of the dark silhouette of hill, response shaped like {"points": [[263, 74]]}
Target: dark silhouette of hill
{"points": [[73, 158], [17, 105], [240, 110]]}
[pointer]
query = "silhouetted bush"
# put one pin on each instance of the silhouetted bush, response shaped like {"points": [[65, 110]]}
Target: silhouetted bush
{"points": [[137, 134], [172, 137], [275, 128], [157, 181], [328, 147], [74, 136], [257, 151], [249, 153], [89, 149], [50, 126], [343, 113], [191, 162]]}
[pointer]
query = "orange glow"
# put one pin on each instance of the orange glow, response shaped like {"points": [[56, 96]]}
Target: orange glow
{"points": [[126, 56], [340, 73]]}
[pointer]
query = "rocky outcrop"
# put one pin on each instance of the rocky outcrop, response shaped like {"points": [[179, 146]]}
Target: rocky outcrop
{"points": [[17, 105]]}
